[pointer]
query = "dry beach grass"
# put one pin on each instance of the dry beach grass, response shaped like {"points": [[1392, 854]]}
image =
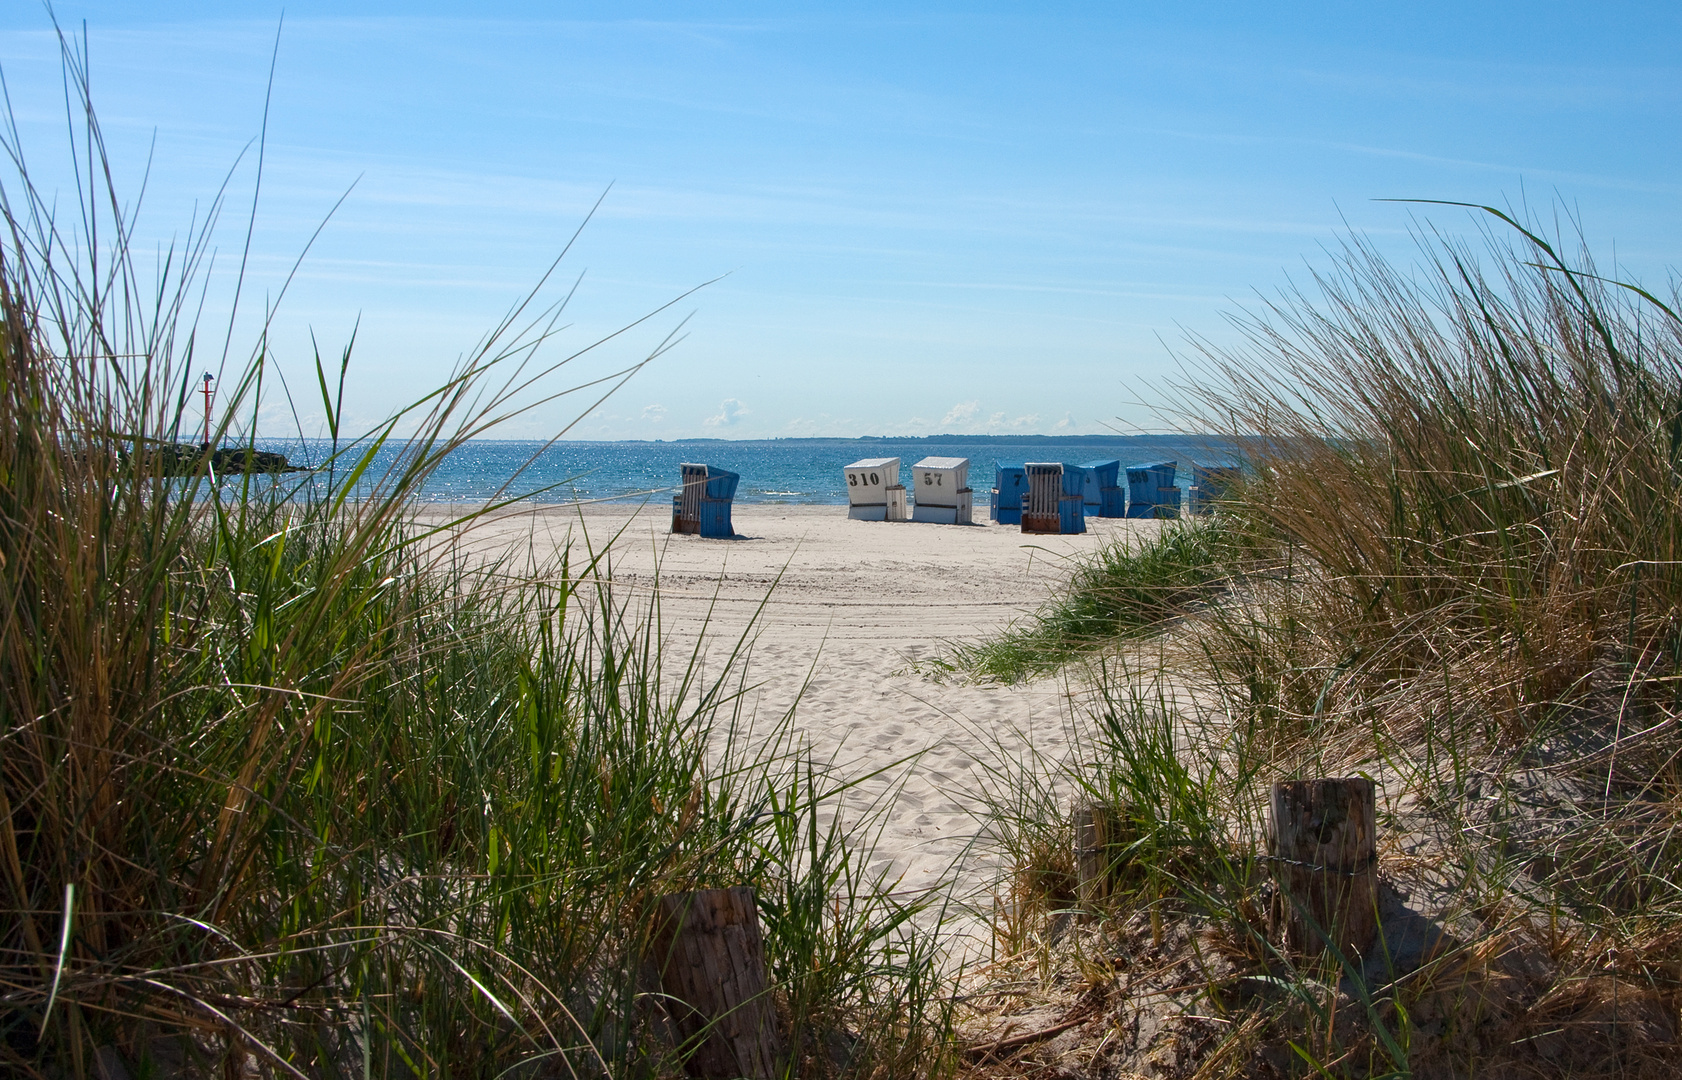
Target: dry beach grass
{"points": [[1453, 569], [279, 797]]}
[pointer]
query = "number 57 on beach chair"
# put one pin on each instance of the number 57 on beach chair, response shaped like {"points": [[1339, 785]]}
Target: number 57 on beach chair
{"points": [[942, 491]]}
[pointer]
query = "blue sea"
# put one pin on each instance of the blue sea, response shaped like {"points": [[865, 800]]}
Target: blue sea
{"points": [[772, 470]]}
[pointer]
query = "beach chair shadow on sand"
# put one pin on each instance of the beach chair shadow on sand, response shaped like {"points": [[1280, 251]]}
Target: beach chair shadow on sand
{"points": [[703, 509]]}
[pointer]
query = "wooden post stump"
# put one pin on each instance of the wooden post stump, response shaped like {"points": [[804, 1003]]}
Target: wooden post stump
{"points": [[1324, 850], [711, 960], [1095, 831]]}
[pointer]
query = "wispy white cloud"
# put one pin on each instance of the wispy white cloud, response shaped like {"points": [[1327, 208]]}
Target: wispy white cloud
{"points": [[654, 413], [964, 412], [730, 412]]}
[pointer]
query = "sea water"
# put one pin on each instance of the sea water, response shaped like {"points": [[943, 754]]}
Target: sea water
{"points": [[772, 470]]}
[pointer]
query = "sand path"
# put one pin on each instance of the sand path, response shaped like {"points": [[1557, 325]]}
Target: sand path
{"points": [[849, 608]]}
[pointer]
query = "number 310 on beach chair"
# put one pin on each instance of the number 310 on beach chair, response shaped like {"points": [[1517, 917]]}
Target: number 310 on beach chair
{"points": [[704, 506], [874, 492]]}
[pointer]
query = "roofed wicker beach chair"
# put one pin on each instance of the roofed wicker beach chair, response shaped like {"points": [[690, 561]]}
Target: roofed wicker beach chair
{"points": [[1010, 483], [1103, 495], [703, 508], [1210, 484], [1151, 492], [941, 491], [874, 492], [1054, 502]]}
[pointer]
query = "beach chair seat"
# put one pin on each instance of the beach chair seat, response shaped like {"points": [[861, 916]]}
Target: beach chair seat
{"points": [[1040, 504], [941, 492], [1210, 484], [1010, 483], [1151, 492], [870, 487], [703, 506]]}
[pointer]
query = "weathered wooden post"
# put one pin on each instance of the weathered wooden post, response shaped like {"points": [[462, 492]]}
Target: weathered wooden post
{"points": [[1325, 862], [711, 959], [1095, 831]]}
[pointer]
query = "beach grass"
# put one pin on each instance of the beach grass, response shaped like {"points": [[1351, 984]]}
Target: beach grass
{"points": [[1128, 588], [1453, 568], [289, 782]]}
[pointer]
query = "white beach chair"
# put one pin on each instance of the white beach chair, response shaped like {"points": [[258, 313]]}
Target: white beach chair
{"points": [[941, 491]]}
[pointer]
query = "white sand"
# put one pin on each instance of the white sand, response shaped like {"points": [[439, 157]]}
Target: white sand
{"points": [[854, 605]]}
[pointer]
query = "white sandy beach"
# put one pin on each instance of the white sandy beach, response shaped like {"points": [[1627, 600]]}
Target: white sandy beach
{"points": [[847, 608]]}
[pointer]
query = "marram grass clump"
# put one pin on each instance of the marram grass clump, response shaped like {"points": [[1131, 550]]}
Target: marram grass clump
{"points": [[1455, 572], [286, 783], [1128, 588]]}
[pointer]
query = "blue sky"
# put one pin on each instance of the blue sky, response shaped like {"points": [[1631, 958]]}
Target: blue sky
{"points": [[966, 218]]}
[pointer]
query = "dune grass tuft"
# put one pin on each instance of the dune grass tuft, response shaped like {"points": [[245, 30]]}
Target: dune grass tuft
{"points": [[1455, 569], [288, 782], [1127, 588]]}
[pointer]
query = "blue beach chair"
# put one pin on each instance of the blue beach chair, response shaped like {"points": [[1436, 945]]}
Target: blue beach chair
{"points": [[1210, 484], [1104, 496], [1071, 507], [1054, 503], [1010, 483], [1151, 492], [1076, 480], [704, 506]]}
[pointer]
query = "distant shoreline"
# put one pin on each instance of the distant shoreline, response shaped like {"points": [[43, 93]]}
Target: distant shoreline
{"points": [[786, 471], [816, 440]]}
